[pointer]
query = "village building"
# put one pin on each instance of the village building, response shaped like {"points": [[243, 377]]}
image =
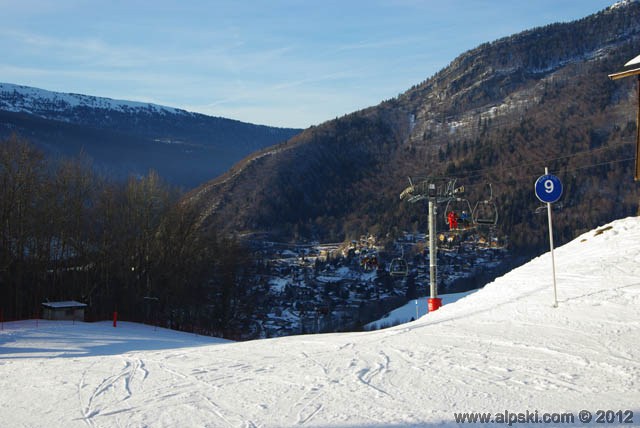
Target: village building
{"points": [[69, 310]]}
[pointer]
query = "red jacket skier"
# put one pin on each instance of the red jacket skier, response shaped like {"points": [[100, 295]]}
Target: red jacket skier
{"points": [[452, 219]]}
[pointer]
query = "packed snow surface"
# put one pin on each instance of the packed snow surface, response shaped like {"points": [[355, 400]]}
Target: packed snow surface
{"points": [[502, 348]]}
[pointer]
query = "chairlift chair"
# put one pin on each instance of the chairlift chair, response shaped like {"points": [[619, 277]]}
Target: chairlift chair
{"points": [[398, 267], [462, 214], [485, 212]]}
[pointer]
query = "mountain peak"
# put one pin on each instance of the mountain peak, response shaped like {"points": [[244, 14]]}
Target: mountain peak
{"points": [[622, 3]]}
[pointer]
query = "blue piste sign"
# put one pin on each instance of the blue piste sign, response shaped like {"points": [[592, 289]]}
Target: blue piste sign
{"points": [[548, 188]]}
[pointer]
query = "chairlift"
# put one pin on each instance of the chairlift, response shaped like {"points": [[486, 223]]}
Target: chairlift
{"points": [[458, 214], [486, 212], [399, 266]]}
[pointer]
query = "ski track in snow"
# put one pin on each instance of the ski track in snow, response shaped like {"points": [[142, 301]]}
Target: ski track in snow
{"points": [[503, 347], [110, 396]]}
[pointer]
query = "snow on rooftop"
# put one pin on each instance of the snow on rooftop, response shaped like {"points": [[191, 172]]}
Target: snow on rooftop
{"points": [[64, 304], [278, 284], [634, 61], [502, 348]]}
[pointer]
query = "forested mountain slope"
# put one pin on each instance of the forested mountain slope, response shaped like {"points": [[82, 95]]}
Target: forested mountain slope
{"points": [[497, 114]]}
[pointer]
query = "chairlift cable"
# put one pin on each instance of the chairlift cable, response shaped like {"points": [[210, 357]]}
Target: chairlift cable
{"points": [[480, 172], [529, 176]]}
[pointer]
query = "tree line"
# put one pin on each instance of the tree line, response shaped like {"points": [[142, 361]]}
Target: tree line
{"points": [[134, 246]]}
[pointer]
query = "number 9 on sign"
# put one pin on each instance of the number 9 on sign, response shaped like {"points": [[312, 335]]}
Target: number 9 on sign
{"points": [[548, 188]]}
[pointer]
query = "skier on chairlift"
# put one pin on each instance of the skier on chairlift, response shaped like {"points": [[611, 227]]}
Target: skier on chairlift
{"points": [[465, 220], [452, 219]]}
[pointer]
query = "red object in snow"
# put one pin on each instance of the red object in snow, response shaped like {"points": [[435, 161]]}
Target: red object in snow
{"points": [[434, 303]]}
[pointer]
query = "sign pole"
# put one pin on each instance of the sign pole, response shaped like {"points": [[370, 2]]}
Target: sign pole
{"points": [[553, 261], [548, 190]]}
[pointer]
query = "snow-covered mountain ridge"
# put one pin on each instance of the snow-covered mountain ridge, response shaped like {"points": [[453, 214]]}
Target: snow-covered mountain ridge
{"points": [[501, 349], [129, 138], [622, 3], [44, 103]]}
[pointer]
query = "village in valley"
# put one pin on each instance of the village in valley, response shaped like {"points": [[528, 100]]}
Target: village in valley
{"points": [[318, 288]]}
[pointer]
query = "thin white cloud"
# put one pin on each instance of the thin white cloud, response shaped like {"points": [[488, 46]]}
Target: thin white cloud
{"points": [[374, 44]]}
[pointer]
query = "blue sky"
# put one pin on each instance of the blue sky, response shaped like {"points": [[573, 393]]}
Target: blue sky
{"points": [[282, 62]]}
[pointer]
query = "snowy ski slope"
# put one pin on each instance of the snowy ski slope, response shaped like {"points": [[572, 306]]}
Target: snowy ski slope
{"points": [[503, 348]]}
